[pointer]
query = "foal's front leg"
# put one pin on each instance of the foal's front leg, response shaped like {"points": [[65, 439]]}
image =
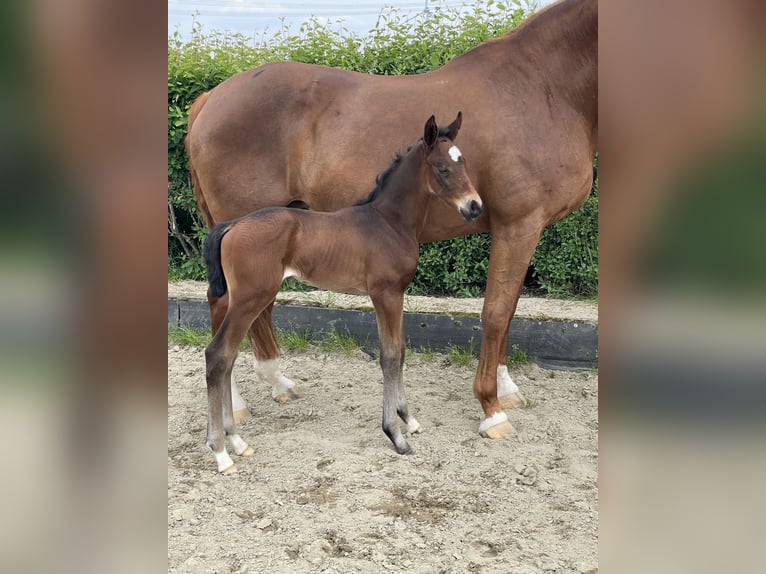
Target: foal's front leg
{"points": [[389, 309], [413, 426]]}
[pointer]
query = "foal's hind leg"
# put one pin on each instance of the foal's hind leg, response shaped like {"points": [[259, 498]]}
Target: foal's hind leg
{"points": [[266, 351], [220, 355], [218, 308]]}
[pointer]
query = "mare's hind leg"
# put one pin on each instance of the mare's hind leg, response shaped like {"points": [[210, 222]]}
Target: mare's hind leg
{"points": [[389, 308], [266, 351]]}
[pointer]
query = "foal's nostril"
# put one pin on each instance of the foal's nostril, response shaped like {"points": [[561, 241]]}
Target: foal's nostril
{"points": [[475, 209], [471, 211]]}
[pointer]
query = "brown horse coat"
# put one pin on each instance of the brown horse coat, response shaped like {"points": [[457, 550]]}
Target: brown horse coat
{"points": [[296, 132]]}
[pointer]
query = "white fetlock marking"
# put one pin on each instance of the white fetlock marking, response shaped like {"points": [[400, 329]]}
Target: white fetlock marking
{"points": [[223, 459], [238, 444], [505, 385], [495, 419], [412, 425], [237, 403], [269, 372]]}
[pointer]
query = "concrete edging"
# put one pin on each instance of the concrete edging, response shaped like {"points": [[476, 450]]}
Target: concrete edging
{"points": [[552, 344]]}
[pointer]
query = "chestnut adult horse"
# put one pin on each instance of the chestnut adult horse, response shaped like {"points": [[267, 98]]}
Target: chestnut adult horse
{"points": [[297, 134]]}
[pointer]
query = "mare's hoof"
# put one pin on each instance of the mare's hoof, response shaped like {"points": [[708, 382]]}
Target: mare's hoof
{"points": [[241, 415], [289, 395], [496, 426], [247, 452], [229, 470], [512, 401], [498, 431], [408, 451]]}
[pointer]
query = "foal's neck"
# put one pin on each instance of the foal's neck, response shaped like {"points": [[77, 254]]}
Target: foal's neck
{"points": [[403, 201]]}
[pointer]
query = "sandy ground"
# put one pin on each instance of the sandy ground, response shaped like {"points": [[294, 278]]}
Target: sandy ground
{"points": [[325, 492]]}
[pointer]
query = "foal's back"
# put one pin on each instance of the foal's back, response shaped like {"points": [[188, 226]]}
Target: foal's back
{"points": [[344, 251]]}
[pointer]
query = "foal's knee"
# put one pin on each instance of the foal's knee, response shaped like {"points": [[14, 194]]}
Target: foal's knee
{"points": [[216, 363], [390, 359]]}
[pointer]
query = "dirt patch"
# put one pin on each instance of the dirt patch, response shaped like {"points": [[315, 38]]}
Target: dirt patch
{"points": [[325, 492]]}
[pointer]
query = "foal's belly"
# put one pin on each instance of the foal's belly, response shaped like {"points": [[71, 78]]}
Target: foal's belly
{"points": [[328, 280]]}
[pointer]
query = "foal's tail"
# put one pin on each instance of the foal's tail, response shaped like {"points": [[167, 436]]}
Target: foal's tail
{"points": [[212, 251]]}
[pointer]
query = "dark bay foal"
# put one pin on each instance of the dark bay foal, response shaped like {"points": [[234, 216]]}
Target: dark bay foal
{"points": [[371, 247]]}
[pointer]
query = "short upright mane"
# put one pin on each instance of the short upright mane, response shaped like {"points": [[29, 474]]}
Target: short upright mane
{"points": [[382, 179]]}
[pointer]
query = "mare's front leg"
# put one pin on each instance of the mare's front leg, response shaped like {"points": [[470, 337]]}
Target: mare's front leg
{"points": [[389, 309], [509, 258]]}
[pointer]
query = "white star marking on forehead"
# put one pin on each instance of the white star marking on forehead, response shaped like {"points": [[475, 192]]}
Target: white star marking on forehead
{"points": [[454, 153]]}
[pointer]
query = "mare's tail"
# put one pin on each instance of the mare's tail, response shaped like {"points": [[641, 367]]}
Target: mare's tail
{"points": [[194, 111], [212, 251]]}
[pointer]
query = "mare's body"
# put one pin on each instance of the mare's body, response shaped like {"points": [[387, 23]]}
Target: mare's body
{"points": [[289, 132]]}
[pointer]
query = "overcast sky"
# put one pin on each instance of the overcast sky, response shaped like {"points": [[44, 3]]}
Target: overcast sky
{"points": [[253, 18]]}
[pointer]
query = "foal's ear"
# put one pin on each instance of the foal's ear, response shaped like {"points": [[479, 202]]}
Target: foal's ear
{"points": [[454, 127], [431, 132]]}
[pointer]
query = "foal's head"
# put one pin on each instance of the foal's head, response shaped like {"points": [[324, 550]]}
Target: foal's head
{"points": [[446, 171]]}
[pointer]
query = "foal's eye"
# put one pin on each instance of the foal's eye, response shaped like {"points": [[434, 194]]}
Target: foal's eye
{"points": [[443, 172]]}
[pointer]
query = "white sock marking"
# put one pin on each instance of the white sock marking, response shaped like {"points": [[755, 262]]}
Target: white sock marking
{"points": [[412, 425], [238, 444], [505, 385], [454, 153], [495, 419], [223, 459], [237, 402], [269, 372]]}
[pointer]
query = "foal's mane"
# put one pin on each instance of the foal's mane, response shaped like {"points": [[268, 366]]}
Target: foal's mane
{"points": [[383, 177]]}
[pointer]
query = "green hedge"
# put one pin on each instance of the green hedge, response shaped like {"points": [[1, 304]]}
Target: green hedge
{"points": [[394, 46]]}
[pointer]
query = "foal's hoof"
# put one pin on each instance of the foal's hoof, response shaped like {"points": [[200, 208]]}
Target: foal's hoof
{"points": [[229, 470], [496, 426], [414, 427], [247, 452], [241, 415], [512, 401], [405, 451], [289, 395]]}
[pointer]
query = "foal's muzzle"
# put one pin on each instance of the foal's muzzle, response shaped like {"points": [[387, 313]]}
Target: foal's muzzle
{"points": [[470, 210]]}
